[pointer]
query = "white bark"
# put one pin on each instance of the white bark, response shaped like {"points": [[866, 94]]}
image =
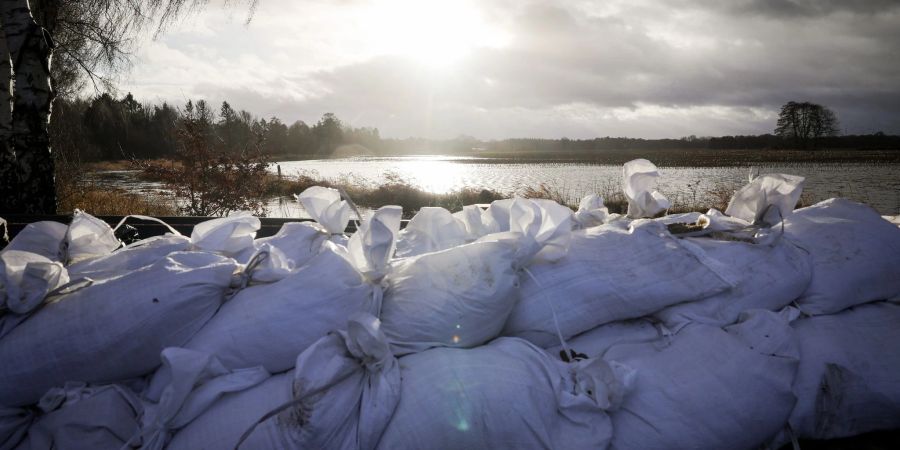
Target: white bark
{"points": [[30, 48], [5, 91]]}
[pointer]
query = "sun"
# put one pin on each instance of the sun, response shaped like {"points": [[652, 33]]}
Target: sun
{"points": [[436, 33]]}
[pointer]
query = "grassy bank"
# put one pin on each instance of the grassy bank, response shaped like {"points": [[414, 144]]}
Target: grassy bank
{"points": [[100, 200]]}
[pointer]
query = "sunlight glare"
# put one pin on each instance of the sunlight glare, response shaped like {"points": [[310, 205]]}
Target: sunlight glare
{"points": [[436, 33], [439, 177]]}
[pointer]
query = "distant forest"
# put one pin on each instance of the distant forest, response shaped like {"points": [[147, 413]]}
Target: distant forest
{"points": [[107, 128]]}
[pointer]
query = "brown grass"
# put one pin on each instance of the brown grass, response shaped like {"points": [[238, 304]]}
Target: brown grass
{"points": [[394, 191], [102, 166], [113, 202]]}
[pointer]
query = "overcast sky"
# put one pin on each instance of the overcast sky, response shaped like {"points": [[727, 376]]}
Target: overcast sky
{"points": [[536, 68]]}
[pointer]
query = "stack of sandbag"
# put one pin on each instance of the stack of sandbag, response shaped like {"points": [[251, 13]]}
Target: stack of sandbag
{"points": [[341, 395], [748, 247], [846, 384], [79, 416], [461, 296], [709, 387], [611, 272], [269, 324], [848, 378], [113, 329], [506, 394]]}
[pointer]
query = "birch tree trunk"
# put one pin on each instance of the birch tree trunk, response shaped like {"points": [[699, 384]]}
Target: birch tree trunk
{"points": [[30, 48], [8, 179]]}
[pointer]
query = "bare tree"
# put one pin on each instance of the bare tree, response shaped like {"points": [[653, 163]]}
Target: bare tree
{"points": [[92, 36], [805, 123]]}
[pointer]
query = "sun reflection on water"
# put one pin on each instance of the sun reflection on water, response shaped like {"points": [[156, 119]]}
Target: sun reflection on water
{"points": [[435, 176]]}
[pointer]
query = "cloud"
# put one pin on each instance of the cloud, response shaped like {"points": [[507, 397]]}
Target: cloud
{"points": [[791, 9], [573, 68]]}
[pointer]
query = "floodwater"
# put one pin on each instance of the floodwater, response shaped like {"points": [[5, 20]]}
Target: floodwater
{"points": [[876, 185]]}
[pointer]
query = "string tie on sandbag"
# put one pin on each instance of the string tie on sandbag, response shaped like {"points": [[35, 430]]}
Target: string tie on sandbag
{"points": [[147, 218], [346, 197], [565, 347], [244, 277], [278, 410]]}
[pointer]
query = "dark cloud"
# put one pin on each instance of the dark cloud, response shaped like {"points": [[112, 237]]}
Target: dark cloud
{"points": [[640, 68], [792, 9]]}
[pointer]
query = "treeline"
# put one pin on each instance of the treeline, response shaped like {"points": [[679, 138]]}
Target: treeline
{"points": [[761, 142], [108, 128]]}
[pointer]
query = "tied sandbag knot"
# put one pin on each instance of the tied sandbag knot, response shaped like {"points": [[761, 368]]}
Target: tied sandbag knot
{"points": [[245, 276]]}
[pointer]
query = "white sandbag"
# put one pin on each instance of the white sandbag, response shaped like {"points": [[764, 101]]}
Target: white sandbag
{"points": [[545, 222], [611, 273], [707, 387], [373, 245], [763, 277], [198, 380], [78, 416], [325, 206], [639, 186], [855, 255], [114, 329], [544, 227], [594, 343], [44, 238], [849, 365], [223, 423], [270, 324], [14, 424], [591, 212], [507, 394], [767, 199], [295, 244], [230, 236], [26, 279], [457, 298], [472, 218], [137, 255], [88, 237], [431, 229], [495, 219]]}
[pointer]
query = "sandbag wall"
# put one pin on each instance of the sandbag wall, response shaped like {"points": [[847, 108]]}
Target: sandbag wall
{"points": [[525, 325]]}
